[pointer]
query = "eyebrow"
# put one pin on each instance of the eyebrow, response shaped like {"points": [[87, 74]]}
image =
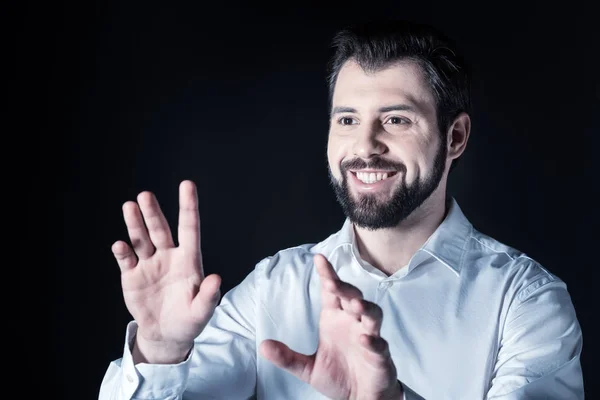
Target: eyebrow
{"points": [[395, 107]]}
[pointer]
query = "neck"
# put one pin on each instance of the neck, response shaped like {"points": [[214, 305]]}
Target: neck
{"points": [[391, 249]]}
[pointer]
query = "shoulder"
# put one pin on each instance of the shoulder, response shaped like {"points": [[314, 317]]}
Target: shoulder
{"points": [[295, 260], [519, 273]]}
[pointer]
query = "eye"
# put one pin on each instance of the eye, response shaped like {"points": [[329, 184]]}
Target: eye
{"points": [[398, 121], [347, 121]]}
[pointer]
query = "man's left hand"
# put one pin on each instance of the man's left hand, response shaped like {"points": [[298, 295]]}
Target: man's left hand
{"points": [[352, 360]]}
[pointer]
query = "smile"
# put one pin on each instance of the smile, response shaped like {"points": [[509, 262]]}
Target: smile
{"points": [[373, 176], [369, 180]]}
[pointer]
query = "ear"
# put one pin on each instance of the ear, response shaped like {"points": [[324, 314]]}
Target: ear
{"points": [[458, 135]]}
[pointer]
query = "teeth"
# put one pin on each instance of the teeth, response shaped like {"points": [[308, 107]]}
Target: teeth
{"points": [[371, 177]]}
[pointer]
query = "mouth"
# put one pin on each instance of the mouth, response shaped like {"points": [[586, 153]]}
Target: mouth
{"points": [[370, 177], [372, 181]]}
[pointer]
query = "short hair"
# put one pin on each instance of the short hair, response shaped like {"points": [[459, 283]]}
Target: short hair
{"points": [[377, 44]]}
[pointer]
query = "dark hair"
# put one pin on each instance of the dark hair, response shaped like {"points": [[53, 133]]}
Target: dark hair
{"points": [[375, 45]]}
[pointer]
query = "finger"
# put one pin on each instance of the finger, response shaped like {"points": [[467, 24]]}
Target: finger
{"points": [[138, 233], [376, 351], [158, 228], [207, 298], [375, 345], [345, 291], [299, 365], [324, 268], [124, 255], [328, 299], [189, 217], [370, 315]]}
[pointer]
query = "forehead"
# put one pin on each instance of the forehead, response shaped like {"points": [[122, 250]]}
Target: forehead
{"points": [[399, 82]]}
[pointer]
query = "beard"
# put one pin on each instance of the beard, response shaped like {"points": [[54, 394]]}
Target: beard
{"points": [[368, 211]]}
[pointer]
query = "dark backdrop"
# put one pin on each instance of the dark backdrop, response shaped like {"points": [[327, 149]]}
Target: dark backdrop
{"points": [[120, 97]]}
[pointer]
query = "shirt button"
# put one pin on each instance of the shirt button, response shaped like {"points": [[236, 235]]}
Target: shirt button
{"points": [[129, 378], [385, 285]]}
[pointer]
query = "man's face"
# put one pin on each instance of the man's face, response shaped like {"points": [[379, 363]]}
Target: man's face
{"points": [[385, 153]]}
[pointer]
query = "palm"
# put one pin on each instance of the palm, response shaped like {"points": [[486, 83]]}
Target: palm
{"points": [[159, 293], [333, 359], [342, 369], [163, 284], [352, 361]]}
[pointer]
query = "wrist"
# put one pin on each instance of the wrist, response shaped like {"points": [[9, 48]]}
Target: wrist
{"points": [[394, 393], [155, 352]]}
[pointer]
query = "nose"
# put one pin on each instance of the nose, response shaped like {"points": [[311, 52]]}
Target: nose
{"points": [[368, 141]]}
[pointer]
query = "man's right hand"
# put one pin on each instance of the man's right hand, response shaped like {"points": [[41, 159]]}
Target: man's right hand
{"points": [[164, 286]]}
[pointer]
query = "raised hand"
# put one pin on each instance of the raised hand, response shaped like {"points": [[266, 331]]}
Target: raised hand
{"points": [[352, 360], [164, 286]]}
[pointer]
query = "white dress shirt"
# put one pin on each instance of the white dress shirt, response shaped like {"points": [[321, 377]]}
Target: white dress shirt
{"points": [[467, 318]]}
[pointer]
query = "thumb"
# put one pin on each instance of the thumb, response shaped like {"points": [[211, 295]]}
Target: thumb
{"points": [[299, 365], [207, 297]]}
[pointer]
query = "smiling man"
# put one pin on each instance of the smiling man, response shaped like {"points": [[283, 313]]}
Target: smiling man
{"points": [[387, 158], [406, 301]]}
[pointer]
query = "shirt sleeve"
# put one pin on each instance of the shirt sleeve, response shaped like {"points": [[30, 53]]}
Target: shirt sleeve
{"points": [[408, 394], [222, 364], [540, 348]]}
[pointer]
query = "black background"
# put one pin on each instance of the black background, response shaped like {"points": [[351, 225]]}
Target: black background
{"points": [[128, 96]]}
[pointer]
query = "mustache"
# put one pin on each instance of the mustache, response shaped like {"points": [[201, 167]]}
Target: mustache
{"points": [[372, 163]]}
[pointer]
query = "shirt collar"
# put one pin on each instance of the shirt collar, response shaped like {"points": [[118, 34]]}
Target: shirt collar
{"points": [[446, 244]]}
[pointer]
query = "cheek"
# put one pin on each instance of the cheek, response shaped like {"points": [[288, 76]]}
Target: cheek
{"points": [[335, 155], [416, 160], [423, 160]]}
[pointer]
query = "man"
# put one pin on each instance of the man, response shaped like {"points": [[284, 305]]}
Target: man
{"points": [[407, 300]]}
